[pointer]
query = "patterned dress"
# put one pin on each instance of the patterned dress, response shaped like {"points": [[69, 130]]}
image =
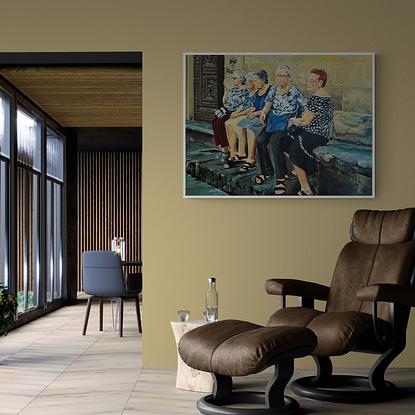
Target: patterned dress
{"points": [[235, 98], [316, 134], [323, 108], [259, 102]]}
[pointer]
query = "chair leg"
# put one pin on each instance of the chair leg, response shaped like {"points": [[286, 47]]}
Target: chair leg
{"points": [[377, 372], [121, 311], [324, 371], [112, 313], [88, 310], [274, 393], [348, 388], [273, 398], [137, 309], [101, 315], [222, 386]]}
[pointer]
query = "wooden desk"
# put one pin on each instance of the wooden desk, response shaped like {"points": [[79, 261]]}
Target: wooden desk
{"points": [[188, 378]]}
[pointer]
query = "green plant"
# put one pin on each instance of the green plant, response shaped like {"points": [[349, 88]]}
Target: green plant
{"points": [[8, 308], [21, 301]]}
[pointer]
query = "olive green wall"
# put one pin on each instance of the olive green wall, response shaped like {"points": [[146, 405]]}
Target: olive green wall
{"points": [[242, 242]]}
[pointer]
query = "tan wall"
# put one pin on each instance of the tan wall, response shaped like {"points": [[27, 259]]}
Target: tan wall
{"points": [[240, 241]]}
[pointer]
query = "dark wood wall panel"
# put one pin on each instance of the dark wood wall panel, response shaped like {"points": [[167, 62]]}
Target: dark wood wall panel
{"points": [[108, 203]]}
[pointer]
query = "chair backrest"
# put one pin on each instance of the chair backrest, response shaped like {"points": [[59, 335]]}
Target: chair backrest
{"points": [[382, 250], [102, 274]]}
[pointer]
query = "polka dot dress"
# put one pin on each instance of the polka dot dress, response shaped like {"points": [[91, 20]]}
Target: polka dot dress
{"points": [[323, 108]]}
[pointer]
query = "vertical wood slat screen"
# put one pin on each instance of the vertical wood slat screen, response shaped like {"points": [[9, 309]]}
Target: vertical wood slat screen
{"points": [[108, 203]]}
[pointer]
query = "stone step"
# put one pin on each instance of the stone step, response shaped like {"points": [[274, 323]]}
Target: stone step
{"points": [[345, 163], [205, 163]]}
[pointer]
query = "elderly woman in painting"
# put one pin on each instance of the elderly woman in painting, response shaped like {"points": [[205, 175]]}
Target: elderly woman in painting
{"points": [[317, 125], [252, 123], [283, 102], [235, 135], [232, 100]]}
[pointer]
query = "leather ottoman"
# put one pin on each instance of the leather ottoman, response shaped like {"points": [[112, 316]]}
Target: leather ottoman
{"points": [[238, 348]]}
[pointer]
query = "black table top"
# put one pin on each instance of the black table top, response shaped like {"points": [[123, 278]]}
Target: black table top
{"points": [[131, 263]]}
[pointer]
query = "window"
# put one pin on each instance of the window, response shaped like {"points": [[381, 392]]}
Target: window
{"points": [[32, 170], [54, 216], [4, 125], [4, 209], [4, 186], [28, 140], [28, 209]]}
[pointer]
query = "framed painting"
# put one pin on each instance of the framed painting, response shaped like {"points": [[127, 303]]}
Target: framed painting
{"points": [[279, 125]]}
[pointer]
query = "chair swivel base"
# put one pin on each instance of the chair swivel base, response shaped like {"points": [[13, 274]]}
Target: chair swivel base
{"points": [[209, 406], [343, 389]]}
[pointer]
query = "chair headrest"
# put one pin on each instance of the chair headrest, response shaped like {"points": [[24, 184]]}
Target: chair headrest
{"points": [[101, 259], [383, 227]]}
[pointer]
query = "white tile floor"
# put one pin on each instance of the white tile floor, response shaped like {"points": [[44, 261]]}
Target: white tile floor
{"points": [[48, 367]]}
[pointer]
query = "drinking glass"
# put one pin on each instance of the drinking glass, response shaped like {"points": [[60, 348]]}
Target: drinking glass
{"points": [[184, 315]]}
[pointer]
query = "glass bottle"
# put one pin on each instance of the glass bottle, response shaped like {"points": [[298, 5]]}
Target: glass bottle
{"points": [[114, 244], [212, 301], [121, 244]]}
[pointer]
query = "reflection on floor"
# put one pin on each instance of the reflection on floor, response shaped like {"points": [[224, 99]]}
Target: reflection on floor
{"points": [[47, 367]]}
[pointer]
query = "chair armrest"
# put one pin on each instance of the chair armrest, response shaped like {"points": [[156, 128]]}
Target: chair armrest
{"points": [[296, 287], [390, 293]]}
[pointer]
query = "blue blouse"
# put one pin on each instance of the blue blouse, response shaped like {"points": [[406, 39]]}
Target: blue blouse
{"points": [[260, 100], [249, 102], [288, 103]]}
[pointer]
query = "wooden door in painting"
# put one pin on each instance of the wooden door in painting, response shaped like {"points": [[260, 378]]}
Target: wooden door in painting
{"points": [[208, 83]]}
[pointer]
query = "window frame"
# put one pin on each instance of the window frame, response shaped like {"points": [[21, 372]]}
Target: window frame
{"points": [[20, 101], [6, 160], [61, 183]]}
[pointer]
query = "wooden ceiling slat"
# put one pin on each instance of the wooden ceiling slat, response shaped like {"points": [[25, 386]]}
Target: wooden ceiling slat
{"points": [[83, 96]]}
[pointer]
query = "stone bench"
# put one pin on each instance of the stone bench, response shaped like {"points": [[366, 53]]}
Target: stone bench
{"points": [[346, 163], [231, 348]]}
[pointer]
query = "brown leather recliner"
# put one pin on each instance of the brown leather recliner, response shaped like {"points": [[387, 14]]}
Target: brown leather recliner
{"points": [[367, 310]]}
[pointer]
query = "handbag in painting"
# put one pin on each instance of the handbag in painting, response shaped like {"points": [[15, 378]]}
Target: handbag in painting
{"points": [[221, 112], [276, 122]]}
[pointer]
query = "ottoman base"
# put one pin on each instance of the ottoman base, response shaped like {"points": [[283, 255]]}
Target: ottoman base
{"points": [[273, 400], [208, 406]]}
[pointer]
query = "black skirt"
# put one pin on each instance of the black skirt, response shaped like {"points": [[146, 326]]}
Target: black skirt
{"points": [[301, 150]]}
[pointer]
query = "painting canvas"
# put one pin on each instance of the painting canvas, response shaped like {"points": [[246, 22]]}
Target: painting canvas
{"points": [[279, 125]]}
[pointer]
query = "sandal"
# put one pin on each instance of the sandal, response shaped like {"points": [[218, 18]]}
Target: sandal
{"points": [[303, 193], [231, 162], [261, 178], [280, 188], [247, 167]]}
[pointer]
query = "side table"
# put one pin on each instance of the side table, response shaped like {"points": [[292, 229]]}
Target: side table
{"points": [[188, 378]]}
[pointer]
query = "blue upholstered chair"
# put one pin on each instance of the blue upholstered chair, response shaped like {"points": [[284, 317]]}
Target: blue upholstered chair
{"points": [[103, 279]]}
